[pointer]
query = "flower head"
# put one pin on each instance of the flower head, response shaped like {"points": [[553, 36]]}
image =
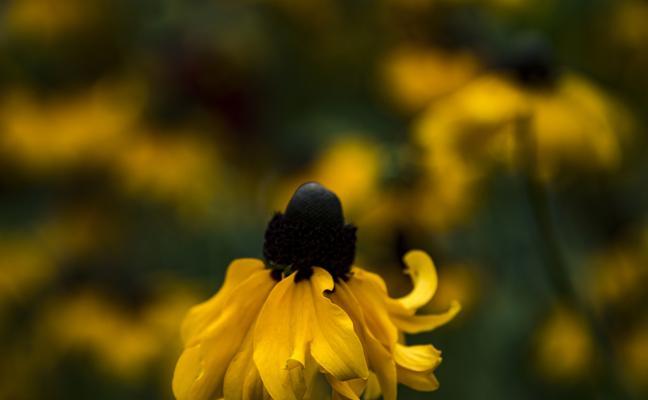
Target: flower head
{"points": [[306, 323]]}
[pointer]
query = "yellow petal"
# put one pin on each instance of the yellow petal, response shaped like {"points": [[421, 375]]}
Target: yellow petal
{"points": [[296, 318], [202, 314], [201, 369], [188, 369], [372, 297], [423, 323], [335, 346], [373, 388], [417, 358], [342, 389], [276, 354], [378, 358], [317, 386], [424, 277], [421, 381], [242, 380]]}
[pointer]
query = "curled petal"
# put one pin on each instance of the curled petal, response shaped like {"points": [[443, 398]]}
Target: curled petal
{"points": [[417, 358], [424, 277], [417, 380], [423, 323]]}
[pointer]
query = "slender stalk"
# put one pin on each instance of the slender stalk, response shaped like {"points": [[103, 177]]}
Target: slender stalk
{"points": [[554, 262]]}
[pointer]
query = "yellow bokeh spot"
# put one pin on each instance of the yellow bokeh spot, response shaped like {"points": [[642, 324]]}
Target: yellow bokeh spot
{"points": [[45, 136], [564, 348], [123, 343], [634, 354], [48, 18], [183, 171], [415, 76], [350, 167]]}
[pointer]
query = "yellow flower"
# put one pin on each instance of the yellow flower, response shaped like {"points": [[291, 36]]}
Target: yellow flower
{"points": [[628, 20], [415, 76], [123, 344], [157, 166], [50, 18], [564, 346], [573, 125], [634, 354], [306, 323], [46, 136]]}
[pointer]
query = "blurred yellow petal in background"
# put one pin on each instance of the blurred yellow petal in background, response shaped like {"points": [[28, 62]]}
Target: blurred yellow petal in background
{"points": [[564, 349], [350, 166], [48, 18], [46, 136], [415, 76], [182, 171], [122, 343]]}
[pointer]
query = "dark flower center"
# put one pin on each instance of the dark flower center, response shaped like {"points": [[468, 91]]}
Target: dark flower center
{"points": [[311, 233]]}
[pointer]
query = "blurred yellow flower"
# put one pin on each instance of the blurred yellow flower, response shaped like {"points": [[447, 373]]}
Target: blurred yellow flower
{"points": [[573, 125], [123, 344], [25, 266], [618, 275], [634, 354], [306, 324], [629, 21], [30, 259], [490, 4], [183, 171], [46, 136], [414, 76], [564, 348], [48, 18]]}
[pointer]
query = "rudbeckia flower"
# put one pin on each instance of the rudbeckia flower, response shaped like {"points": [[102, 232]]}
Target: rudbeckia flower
{"points": [[304, 323], [573, 126]]}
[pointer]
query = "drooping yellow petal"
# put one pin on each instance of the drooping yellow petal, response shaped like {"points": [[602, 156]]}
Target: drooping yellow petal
{"points": [[422, 381], [187, 370], [424, 323], [298, 320], [242, 380], [202, 314], [372, 297], [343, 389], [335, 346], [200, 372], [276, 354], [417, 358], [373, 390], [378, 358], [424, 277], [317, 385]]}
